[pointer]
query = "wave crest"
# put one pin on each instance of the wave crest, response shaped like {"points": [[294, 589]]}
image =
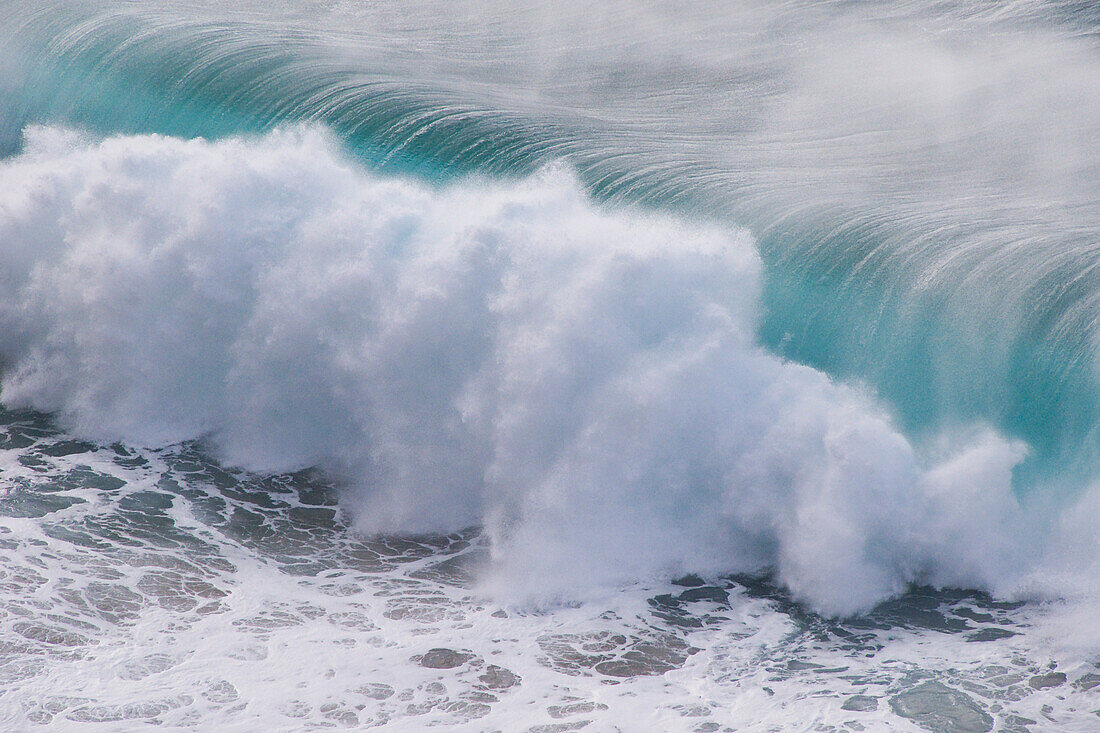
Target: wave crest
{"points": [[584, 382]]}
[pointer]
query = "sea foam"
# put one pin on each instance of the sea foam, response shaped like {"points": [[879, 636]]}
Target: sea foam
{"points": [[584, 382]]}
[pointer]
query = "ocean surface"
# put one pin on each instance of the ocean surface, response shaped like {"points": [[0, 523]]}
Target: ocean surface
{"points": [[544, 367]]}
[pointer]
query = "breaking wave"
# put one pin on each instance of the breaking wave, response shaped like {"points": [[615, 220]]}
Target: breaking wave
{"points": [[485, 261], [586, 382]]}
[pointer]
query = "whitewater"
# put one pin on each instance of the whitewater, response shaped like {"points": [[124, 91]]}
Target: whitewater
{"points": [[500, 366]]}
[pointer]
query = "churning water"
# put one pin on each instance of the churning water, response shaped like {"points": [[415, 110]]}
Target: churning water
{"points": [[506, 367]]}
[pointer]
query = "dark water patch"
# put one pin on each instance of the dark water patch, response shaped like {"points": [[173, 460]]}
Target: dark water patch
{"points": [[221, 692], [147, 711], [444, 658], [86, 478], [146, 502], [34, 462], [615, 655], [1048, 680], [177, 592], [314, 517], [65, 448], [691, 608], [22, 502], [424, 606], [312, 488], [127, 458], [714, 594], [921, 608], [860, 704], [498, 678], [113, 602], [991, 634], [50, 635], [577, 708], [1018, 724], [941, 709], [1087, 682], [13, 439]]}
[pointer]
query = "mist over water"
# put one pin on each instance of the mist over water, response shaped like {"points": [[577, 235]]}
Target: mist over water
{"points": [[638, 291]]}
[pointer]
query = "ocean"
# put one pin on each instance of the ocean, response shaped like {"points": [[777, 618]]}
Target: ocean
{"points": [[542, 367]]}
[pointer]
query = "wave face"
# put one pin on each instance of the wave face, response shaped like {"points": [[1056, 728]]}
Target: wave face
{"points": [[893, 380]]}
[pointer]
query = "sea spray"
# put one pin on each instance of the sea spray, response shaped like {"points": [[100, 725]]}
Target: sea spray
{"points": [[583, 381]]}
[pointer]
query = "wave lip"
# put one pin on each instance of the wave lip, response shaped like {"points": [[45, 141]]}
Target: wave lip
{"points": [[583, 381]]}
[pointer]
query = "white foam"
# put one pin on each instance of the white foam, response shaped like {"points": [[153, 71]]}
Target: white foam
{"points": [[582, 381]]}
